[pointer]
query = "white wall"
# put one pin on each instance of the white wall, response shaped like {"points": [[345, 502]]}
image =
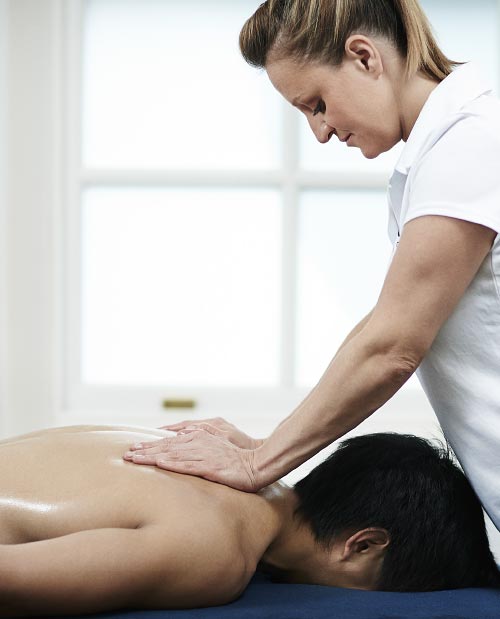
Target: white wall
{"points": [[31, 203], [3, 191]]}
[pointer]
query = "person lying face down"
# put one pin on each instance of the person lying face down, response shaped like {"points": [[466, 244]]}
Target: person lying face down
{"points": [[82, 530]]}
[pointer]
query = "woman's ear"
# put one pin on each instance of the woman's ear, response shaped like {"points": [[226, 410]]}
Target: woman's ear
{"points": [[363, 51], [373, 541]]}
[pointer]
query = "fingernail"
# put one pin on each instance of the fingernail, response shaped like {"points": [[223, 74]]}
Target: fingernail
{"points": [[139, 457], [138, 446], [129, 454]]}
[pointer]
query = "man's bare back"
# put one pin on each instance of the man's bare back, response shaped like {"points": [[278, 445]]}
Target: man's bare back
{"points": [[82, 530], [134, 536]]}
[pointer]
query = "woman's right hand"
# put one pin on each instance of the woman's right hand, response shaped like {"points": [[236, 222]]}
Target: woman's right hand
{"points": [[217, 426]]}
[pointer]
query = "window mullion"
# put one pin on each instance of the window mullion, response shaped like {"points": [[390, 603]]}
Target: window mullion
{"points": [[291, 198], [73, 16], [184, 178], [498, 45]]}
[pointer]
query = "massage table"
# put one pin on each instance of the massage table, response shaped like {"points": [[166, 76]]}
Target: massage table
{"points": [[266, 600]]}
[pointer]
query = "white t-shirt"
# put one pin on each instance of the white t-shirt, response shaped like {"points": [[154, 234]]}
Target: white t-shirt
{"points": [[450, 166]]}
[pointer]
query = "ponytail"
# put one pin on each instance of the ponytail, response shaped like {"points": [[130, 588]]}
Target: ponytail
{"points": [[316, 30], [422, 51]]}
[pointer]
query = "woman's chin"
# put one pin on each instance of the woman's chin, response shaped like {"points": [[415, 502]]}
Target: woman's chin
{"points": [[371, 152]]}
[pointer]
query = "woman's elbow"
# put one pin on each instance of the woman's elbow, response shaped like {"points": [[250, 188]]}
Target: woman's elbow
{"points": [[400, 356], [404, 364]]}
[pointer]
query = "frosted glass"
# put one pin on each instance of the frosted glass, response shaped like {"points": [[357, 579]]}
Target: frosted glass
{"points": [[335, 155], [343, 256], [181, 287], [466, 31], [165, 86]]}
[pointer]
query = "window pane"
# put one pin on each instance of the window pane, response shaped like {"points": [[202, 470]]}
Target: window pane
{"points": [[335, 155], [470, 34], [343, 257], [181, 287], [165, 86]]}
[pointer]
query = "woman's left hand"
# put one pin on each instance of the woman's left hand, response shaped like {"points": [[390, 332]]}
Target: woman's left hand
{"points": [[202, 453], [218, 426]]}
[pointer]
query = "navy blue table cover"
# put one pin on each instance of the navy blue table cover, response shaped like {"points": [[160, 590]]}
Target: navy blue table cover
{"points": [[265, 600]]}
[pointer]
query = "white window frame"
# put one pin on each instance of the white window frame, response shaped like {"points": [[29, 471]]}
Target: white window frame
{"points": [[290, 181], [40, 325]]}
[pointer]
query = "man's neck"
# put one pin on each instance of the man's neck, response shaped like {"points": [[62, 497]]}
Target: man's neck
{"points": [[293, 544]]}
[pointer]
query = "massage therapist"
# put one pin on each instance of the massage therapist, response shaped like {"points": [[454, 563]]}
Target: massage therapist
{"points": [[370, 73]]}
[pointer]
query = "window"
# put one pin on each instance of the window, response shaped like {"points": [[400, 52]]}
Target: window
{"points": [[215, 249]]}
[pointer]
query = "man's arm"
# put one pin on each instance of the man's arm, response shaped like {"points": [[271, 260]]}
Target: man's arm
{"points": [[105, 569]]}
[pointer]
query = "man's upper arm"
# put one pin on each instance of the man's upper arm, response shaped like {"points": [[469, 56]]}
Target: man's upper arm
{"points": [[100, 569], [82, 572], [436, 260]]}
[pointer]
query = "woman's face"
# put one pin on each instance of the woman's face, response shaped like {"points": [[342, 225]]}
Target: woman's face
{"points": [[356, 101]]}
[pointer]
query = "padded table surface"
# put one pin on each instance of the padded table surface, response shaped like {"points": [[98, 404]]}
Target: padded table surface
{"points": [[266, 600]]}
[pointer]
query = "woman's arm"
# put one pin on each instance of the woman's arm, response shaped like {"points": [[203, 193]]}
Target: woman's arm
{"points": [[436, 260], [217, 425]]}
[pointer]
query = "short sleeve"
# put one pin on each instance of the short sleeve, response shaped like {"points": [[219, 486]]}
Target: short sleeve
{"points": [[460, 175]]}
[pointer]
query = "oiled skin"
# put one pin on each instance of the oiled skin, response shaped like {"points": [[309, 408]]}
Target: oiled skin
{"points": [[66, 480]]}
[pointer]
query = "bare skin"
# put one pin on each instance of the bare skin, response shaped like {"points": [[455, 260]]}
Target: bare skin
{"points": [[84, 531], [369, 103]]}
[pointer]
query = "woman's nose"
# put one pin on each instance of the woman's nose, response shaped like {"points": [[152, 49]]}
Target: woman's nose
{"points": [[322, 130]]}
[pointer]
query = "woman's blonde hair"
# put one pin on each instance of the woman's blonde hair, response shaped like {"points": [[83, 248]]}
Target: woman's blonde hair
{"points": [[316, 30]]}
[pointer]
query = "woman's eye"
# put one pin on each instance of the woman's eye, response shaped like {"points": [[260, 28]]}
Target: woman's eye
{"points": [[319, 108]]}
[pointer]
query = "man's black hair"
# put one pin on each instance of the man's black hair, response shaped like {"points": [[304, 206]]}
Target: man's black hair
{"points": [[415, 491]]}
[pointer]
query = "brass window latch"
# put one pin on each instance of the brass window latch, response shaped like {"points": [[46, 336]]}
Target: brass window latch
{"points": [[178, 403]]}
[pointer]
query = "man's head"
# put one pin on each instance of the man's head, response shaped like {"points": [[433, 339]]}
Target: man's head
{"points": [[397, 511]]}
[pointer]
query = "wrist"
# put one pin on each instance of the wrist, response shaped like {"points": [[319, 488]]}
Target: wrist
{"points": [[264, 471], [257, 442]]}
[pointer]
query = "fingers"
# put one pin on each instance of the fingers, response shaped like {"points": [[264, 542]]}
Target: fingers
{"points": [[152, 449], [202, 425], [216, 422], [186, 461], [182, 427], [193, 426], [179, 425], [149, 444], [140, 459]]}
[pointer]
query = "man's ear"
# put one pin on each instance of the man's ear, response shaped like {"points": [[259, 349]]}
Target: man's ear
{"points": [[372, 541]]}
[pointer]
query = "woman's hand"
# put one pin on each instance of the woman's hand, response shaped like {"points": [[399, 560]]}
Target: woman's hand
{"points": [[216, 426], [213, 449], [219, 427]]}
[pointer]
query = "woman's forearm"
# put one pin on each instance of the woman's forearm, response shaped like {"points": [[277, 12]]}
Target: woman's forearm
{"points": [[362, 376], [357, 329]]}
